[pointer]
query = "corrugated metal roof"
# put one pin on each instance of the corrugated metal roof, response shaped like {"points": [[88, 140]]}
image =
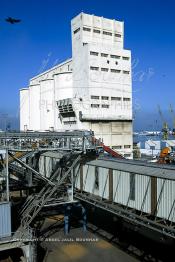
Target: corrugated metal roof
{"points": [[137, 167]]}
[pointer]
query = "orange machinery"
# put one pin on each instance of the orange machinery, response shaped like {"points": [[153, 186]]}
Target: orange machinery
{"points": [[164, 157]]}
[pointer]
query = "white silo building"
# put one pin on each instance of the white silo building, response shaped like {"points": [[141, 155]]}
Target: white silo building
{"points": [[93, 90]]}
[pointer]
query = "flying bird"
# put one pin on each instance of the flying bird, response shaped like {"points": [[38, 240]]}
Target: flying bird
{"points": [[12, 20]]}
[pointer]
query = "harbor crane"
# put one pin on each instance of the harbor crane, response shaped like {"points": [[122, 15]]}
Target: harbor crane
{"points": [[165, 130], [173, 118]]}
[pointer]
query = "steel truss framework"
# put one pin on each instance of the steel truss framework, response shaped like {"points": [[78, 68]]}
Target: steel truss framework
{"points": [[129, 215], [53, 188], [21, 141]]}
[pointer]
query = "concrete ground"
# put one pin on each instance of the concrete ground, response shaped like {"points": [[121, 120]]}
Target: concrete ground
{"points": [[79, 246]]}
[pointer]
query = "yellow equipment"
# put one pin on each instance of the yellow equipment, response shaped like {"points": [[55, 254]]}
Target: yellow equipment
{"points": [[164, 157], [165, 129]]}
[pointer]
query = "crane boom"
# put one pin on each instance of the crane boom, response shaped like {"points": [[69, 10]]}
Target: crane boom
{"points": [[165, 131], [173, 118]]}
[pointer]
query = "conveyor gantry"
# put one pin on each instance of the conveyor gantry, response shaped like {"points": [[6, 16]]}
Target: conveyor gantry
{"points": [[32, 141], [36, 203]]}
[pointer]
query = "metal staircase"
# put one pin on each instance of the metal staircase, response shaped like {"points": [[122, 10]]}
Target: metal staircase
{"points": [[36, 202]]}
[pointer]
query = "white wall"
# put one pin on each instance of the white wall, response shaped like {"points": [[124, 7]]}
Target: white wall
{"points": [[62, 89], [103, 24], [47, 105], [88, 83], [24, 109], [34, 105], [166, 199], [63, 86]]}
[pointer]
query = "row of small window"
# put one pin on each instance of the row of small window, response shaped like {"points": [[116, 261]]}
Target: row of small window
{"points": [[103, 69], [97, 31], [112, 98], [106, 55], [97, 106], [120, 147]]}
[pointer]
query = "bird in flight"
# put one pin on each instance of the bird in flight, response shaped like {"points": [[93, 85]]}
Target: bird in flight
{"points": [[12, 20]]}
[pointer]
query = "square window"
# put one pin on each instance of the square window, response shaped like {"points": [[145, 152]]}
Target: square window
{"points": [[104, 69], [96, 31], [77, 30], [115, 71], [94, 68], [86, 29], [105, 97], [116, 98], [93, 53], [115, 56], [126, 99], [125, 58], [95, 97], [116, 147], [107, 33], [95, 105], [118, 35], [104, 55], [125, 72], [127, 146]]}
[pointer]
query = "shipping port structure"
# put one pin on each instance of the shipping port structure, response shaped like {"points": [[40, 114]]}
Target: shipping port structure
{"points": [[58, 170], [75, 149]]}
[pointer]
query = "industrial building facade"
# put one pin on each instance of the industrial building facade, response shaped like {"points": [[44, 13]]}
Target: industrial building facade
{"points": [[93, 90]]}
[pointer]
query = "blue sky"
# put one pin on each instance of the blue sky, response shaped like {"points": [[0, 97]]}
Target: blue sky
{"points": [[44, 34]]}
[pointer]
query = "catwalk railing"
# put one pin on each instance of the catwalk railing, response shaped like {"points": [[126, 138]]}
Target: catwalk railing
{"points": [[69, 140]]}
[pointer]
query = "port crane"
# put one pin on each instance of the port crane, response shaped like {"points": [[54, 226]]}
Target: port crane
{"points": [[173, 118], [167, 155], [165, 130]]}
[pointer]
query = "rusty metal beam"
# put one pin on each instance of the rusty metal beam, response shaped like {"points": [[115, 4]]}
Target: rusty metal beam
{"points": [[153, 195], [81, 177], [110, 185]]}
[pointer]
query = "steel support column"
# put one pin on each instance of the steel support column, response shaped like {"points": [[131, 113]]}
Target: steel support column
{"points": [[153, 195], [110, 185], [81, 177]]}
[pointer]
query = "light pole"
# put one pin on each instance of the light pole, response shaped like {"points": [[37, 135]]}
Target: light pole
{"points": [[7, 175]]}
